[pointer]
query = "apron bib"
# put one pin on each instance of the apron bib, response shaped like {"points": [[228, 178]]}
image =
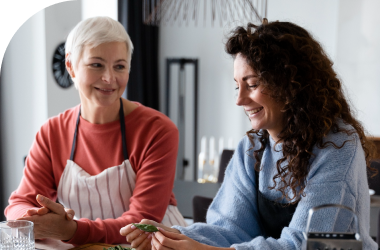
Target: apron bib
{"points": [[107, 194], [274, 216]]}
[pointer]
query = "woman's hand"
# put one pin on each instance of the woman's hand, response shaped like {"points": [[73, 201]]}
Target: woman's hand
{"points": [[52, 220], [139, 239], [44, 210], [165, 240]]}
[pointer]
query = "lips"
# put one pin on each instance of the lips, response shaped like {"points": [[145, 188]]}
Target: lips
{"points": [[105, 91], [254, 111]]}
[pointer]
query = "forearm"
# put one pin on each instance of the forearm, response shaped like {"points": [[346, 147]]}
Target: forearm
{"points": [[107, 230], [15, 212], [210, 235], [219, 248], [19, 204], [102, 231], [37, 179]]}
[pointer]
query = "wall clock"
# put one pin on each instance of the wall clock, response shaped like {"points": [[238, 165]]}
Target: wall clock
{"points": [[61, 76]]}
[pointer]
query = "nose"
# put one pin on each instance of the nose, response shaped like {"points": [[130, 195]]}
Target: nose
{"points": [[241, 98], [108, 76]]}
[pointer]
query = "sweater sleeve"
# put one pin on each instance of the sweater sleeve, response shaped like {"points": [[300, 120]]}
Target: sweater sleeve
{"points": [[152, 193], [233, 218], [38, 178]]}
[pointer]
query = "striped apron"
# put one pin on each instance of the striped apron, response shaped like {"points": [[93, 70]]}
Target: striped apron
{"points": [[107, 194]]}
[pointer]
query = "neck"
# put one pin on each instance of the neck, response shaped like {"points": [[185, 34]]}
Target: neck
{"points": [[274, 135], [100, 115]]}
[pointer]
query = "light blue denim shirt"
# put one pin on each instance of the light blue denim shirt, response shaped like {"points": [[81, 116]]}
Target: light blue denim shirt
{"points": [[336, 176]]}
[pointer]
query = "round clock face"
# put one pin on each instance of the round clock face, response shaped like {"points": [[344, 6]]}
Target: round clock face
{"points": [[60, 73]]}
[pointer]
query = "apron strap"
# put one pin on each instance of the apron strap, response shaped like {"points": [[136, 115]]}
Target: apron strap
{"points": [[122, 127], [75, 136]]}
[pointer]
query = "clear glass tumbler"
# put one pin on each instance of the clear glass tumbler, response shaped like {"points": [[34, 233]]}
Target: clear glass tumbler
{"points": [[16, 234]]}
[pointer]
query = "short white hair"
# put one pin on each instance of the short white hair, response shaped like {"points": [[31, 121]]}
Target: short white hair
{"points": [[93, 32]]}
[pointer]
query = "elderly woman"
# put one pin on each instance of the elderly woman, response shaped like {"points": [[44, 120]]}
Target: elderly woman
{"points": [[110, 160], [305, 149]]}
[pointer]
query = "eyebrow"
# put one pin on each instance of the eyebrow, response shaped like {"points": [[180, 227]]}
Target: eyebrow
{"points": [[101, 59], [245, 78]]}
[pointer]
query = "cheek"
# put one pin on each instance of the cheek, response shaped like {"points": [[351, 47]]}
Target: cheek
{"points": [[272, 108], [123, 80], [276, 110], [89, 78], [261, 99]]}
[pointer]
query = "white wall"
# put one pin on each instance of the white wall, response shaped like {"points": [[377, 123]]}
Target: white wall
{"points": [[24, 97], [358, 58], [216, 86], [91, 8], [218, 114], [320, 18], [60, 19]]}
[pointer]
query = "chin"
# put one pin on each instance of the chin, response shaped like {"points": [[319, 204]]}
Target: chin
{"points": [[106, 103], [255, 127]]}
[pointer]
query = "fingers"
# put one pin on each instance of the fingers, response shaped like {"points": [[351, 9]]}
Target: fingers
{"points": [[127, 229], [43, 210], [157, 244], [30, 212], [136, 243], [171, 235], [146, 244], [69, 214], [136, 237], [168, 239], [51, 205], [142, 240], [52, 225], [26, 217], [150, 222], [131, 232], [156, 224]]}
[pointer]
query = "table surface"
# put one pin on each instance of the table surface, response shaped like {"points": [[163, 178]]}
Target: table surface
{"points": [[50, 244], [375, 200]]}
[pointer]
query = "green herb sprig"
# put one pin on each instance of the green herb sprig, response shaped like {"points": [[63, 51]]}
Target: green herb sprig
{"points": [[119, 248], [146, 227]]}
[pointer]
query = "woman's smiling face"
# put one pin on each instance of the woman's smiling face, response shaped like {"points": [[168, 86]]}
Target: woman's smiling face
{"points": [[102, 74], [263, 111]]}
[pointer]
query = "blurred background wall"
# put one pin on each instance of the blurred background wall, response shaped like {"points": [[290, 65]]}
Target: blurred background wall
{"points": [[29, 95]]}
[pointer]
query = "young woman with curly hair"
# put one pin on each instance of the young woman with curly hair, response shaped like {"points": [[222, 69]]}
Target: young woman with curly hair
{"points": [[305, 149]]}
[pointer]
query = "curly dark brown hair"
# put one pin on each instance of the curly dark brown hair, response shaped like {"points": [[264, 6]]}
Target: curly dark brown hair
{"points": [[292, 65]]}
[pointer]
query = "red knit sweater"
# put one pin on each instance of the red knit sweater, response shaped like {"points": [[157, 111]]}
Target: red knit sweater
{"points": [[152, 143]]}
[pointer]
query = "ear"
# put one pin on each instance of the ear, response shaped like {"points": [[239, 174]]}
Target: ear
{"points": [[69, 66]]}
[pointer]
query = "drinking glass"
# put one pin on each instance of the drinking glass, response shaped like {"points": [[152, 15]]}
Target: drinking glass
{"points": [[16, 234]]}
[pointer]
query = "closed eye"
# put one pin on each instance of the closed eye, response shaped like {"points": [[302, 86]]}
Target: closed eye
{"points": [[249, 86], [96, 65], [120, 66]]}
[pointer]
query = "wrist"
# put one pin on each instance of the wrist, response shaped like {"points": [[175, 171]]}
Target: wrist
{"points": [[72, 228]]}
